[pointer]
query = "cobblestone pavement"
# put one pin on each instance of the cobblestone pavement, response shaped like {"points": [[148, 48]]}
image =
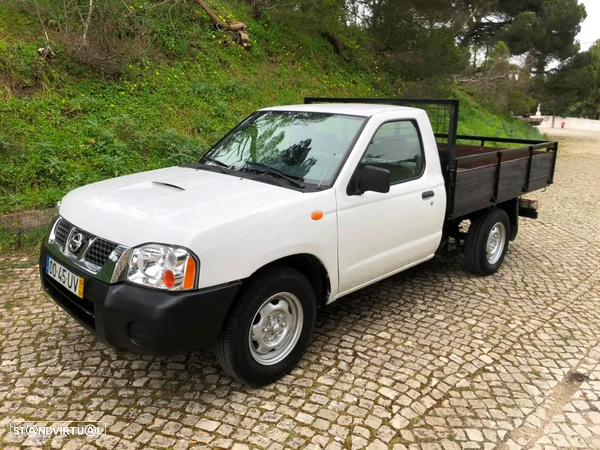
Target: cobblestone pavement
{"points": [[433, 358]]}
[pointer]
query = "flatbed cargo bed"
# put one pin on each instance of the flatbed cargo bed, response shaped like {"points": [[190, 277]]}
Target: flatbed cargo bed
{"points": [[487, 175]]}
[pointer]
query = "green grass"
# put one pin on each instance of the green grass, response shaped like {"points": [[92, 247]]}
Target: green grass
{"points": [[65, 125], [10, 242], [478, 121]]}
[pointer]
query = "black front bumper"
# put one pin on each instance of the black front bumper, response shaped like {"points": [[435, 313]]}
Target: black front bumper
{"points": [[141, 319]]}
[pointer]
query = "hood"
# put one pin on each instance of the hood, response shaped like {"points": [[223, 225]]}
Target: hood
{"points": [[167, 205]]}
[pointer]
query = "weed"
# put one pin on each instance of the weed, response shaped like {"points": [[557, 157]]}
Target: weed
{"points": [[10, 242]]}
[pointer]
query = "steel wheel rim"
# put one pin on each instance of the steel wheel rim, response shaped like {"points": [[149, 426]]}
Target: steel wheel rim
{"points": [[276, 328], [495, 243]]}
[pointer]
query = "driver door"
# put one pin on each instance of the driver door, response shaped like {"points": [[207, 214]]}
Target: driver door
{"points": [[380, 234]]}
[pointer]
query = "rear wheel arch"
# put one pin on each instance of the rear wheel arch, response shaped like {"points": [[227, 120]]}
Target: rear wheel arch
{"points": [[511, 207]]}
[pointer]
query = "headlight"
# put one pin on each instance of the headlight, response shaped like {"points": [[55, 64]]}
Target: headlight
{"points": [[162, 266]]}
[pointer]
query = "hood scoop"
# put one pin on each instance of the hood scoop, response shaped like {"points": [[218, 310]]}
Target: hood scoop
{"points": [[171, 185]]}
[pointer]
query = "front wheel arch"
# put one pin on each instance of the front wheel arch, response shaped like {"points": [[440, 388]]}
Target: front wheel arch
{"points": [[233, 346], [308, 265]]}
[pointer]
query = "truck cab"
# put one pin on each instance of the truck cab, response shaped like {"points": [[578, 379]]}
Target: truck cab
{"points": [[294, 208]]}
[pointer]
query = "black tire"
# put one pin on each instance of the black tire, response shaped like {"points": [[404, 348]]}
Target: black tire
{"points": [[476, 257], [233, 344]]}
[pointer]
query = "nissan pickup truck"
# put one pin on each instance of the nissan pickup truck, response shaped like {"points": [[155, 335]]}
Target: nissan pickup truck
{"points": [[293, 209]]}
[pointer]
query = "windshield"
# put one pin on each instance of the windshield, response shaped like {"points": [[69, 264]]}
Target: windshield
{"points": [[305, 146]]}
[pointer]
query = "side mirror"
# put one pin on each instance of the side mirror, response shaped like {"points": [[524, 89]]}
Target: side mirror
{"points": [[372, 178]]}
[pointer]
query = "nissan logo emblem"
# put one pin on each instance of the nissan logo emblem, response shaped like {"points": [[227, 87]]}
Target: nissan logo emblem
{"points": [[76, 242]]}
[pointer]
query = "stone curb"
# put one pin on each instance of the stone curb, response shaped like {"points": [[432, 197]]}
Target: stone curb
{"points": [[27, 220]]}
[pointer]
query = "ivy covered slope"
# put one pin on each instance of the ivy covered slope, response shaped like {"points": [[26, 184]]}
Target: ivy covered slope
{"points": [[66, 124]]}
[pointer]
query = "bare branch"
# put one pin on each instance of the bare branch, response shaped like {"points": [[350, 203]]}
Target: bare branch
{"points": [[88, 22], [37, 10], [211, 14], [238, 28]]}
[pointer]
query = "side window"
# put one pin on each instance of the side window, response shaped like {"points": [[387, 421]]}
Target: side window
{"points": [[396, 147]]}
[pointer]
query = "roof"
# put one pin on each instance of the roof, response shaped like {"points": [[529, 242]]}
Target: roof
{"points": [[353, 109]]}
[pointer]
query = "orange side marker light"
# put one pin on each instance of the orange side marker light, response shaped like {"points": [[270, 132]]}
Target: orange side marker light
{"points": [[317, 215], [190, 274]]}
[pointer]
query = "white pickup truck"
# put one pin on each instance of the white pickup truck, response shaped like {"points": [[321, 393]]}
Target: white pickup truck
{"points": [[296, 207]]}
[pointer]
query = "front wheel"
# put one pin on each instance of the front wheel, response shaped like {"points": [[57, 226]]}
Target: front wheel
{"points": [[487, 242], [268, 328]]}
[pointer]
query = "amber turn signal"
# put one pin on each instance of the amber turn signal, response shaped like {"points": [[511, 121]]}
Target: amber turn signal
{"points": [[317, 215], [190, 274]]}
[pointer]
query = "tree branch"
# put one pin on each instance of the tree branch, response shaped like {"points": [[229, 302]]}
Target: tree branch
{"points": [[238, 28], [88, 22]]}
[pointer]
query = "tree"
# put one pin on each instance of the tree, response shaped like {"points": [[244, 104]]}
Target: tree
{"points": [[543, 29], [415, 40], [574, 89], [505, 87], [421, 39]]}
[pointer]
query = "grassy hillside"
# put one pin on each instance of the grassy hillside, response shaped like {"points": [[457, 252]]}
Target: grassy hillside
{"points": [[65, 124]]}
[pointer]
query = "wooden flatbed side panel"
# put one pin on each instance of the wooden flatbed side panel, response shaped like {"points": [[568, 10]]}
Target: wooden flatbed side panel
{"points": [[513, 178], [475, 187], [541, 171], [492, 159], [469, 150]]}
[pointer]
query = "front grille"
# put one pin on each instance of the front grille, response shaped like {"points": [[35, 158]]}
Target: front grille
{"points": [[62, 231], [99, 252], [87, 237]]}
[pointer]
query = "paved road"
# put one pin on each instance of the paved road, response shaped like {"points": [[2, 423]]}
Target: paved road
{"points": [[433, 358]]}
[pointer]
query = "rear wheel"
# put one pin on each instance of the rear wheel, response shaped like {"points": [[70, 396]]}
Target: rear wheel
{"points": [[487, 242], [268, 328]]}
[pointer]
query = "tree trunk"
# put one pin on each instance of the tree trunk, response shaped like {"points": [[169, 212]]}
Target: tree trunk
{"points": [[211, 14], [255, 7], [238, 28], [87, 23], [465, 41], [541, 65]]}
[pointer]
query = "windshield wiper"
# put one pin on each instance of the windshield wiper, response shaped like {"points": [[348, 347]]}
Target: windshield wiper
{"points": [[218, 164], [277, 173]]}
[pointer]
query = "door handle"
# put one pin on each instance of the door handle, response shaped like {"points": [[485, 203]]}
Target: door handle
{"points": [[427, 195]]}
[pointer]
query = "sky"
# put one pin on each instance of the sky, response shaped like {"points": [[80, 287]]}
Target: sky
{"points": [[590, 29]]}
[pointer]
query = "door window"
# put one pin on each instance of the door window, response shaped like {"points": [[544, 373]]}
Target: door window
{"points": [[397, 147]]}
